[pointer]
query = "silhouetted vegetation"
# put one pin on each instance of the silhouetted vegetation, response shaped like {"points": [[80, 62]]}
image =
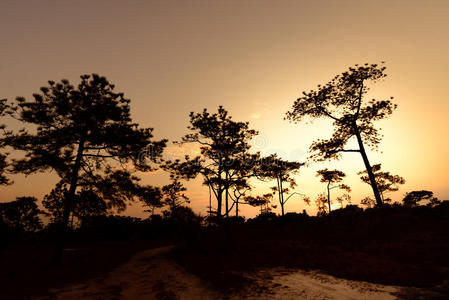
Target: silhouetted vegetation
{"points": [[21, 215], [413, 198], [341, 100], [386, 182], [282, 171], [79, 133], [86, 136], [4, 110], [224, 144], [331, 177], [393, 245]]}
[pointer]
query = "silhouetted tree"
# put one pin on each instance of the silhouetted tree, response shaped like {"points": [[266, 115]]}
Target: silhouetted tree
{"points": [[151, 198], [184, 216], [239, 171], [238, 192], [385, 181], [86, 203], [344, 198], [21, 214], [320, 203], [341, 100], [4, 180], [173, 194], [413, 198], [332, 177], [282, 171], [262, 201], [221, 140], [96, 195], [79, 133], [368, 202]]}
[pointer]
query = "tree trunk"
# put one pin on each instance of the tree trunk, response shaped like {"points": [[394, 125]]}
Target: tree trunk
{"points": [[281, 196], [219, 202], [237, 207], [329, 196], [281, 202], [173, 209], [70, 198], [227, 196], [220, 188], [210, 201], [371, 176]]}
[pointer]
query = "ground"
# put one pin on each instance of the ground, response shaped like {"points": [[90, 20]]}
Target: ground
{"points": [[152, 274]]}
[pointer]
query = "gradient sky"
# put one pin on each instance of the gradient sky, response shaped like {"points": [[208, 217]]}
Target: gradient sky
{"points": [[254, 58]]}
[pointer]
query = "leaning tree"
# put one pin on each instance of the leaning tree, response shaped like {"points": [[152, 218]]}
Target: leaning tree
{"points": [[80, 132], [332, 177], [342, 100]]}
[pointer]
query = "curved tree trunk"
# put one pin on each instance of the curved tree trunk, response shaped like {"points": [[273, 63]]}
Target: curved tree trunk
{"points": [[237, 208], [329, 196]]}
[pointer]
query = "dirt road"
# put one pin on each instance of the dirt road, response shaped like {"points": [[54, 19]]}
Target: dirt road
{"points": [[152, 275]]}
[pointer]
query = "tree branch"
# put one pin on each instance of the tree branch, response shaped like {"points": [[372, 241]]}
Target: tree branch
{"points": [[294, 193]]}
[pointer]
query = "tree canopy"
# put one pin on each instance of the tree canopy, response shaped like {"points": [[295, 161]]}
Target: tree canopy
{"points": [[173, 194], [222, 143], [85, 134], [342, 100], [413, 198], [21, 214]]}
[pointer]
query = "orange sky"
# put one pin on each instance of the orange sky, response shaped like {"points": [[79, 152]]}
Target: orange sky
{"points": [[252, 57]]}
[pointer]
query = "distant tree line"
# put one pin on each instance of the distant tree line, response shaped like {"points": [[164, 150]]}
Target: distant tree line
{"points": [[84, 133]]}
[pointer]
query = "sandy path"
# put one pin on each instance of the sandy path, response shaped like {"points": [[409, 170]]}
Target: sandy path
{"points": [[150, 275], [286, 284]]}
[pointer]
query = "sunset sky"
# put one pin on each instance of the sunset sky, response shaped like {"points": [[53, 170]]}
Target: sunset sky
{"points": [[254, 58]]}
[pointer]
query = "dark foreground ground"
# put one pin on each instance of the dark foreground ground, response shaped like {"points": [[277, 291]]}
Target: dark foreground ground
{"points": [[391, 246], [27, 271]]}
